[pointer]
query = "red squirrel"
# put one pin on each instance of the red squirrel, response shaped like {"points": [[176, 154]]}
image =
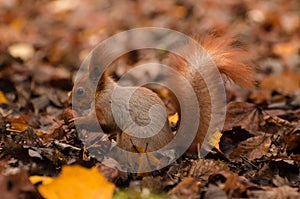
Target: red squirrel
{"points": [[231, 62]]}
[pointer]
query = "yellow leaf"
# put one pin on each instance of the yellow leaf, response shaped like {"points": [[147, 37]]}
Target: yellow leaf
{"points": [[163, 93], [20, 123], [20, 126], [173, 119], [77, 182], [137, 149], [214, 140], [43, 179], [3, 99]]}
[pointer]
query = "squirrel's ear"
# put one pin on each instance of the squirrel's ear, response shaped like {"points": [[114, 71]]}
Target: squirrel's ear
{"points": [[99, 62], [94, 72]]}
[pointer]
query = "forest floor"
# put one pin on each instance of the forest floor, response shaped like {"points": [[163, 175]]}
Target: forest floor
{"points": [[42, 46]]}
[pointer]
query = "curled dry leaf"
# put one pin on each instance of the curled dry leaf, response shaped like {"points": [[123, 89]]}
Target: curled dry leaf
{"points": [[234, 185], [252, 148], [253, 119], [245, 115], [230, 139], [275, 125], [292, 138]]}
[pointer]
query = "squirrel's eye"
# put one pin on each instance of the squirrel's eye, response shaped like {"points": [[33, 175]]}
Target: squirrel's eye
{"points": [[80, 91]]}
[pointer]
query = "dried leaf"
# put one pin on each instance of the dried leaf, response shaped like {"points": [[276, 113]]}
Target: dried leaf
{"points": [[214, 140], [173, 119], [252, 148], [187, 188], [21, 50], [202, 169], [245, 115], [292, 138], [76, 182], [3, 99], [20, 123], [16, 185], [41, 179], [286, 82], [276, 193], [234, 185], [180, 11], [145, 162], [285, 49]]}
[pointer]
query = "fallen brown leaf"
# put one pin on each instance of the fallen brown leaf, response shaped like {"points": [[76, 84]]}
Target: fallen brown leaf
{"points": [[292, 138], [245, 115], [187, 188], [252, 148]]}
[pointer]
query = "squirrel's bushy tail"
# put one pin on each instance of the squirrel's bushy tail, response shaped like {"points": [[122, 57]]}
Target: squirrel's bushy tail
{"points": [[230, 59], [197, 66]]}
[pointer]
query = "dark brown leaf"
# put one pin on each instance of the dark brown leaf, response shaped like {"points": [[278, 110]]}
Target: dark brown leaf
{"points": [[245, 115], [252, 148], [17, 185]]}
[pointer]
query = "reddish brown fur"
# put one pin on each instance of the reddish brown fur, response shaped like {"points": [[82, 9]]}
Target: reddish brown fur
{"points": [[231, 61]]}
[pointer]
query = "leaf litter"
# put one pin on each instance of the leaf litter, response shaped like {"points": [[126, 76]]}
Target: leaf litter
{"points": [[256, 155]]}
